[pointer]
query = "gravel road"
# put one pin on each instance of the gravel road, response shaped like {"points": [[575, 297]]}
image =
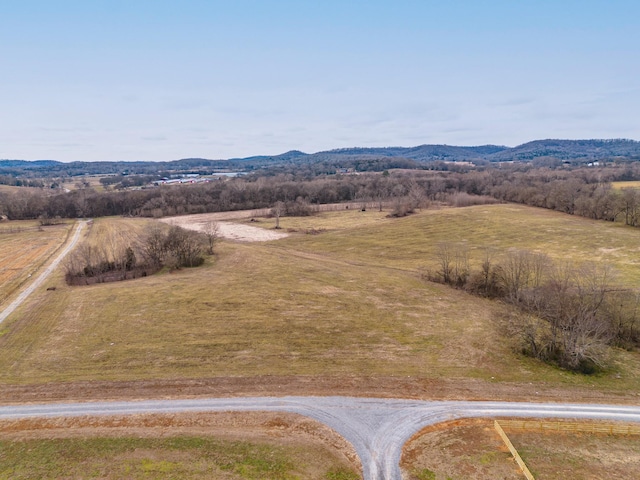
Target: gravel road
{"points": [[377, 428], [43, 276]]}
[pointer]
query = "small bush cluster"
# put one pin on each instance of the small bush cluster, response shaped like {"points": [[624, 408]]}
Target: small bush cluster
{"points": [[157, 248]]}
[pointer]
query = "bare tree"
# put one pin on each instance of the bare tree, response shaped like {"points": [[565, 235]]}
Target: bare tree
{"points": [[153, 246], [453, 259], [212, 232], [516, 272], [277, 211], [629, 204], [183, 247], [416, 194]]}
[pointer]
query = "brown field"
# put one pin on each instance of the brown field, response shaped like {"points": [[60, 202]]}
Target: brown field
{"points": [[114, 234], [339, 307], [76, 183], [559, 456], [14, 189], [24, 247], [624, 185], [471, 449], [348, 302]]}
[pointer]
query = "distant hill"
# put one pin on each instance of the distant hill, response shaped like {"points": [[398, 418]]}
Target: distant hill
{"points": [[561, 149], [26, 164], [358, 158], [570, 149]]}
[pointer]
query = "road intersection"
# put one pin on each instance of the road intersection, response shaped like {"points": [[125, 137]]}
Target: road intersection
{"points": [[377, 428]]}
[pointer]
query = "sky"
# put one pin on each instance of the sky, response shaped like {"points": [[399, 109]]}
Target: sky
{"points": [[156, 80]]}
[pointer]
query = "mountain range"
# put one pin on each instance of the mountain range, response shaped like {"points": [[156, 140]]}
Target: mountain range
{"points": [[386, 157]]}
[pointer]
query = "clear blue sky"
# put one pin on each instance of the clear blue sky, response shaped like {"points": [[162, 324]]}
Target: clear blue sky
{"points": [[161, 80]]}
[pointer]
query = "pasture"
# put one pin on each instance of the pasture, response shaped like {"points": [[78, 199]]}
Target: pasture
{"points": [[24, 248], [349, 302]]}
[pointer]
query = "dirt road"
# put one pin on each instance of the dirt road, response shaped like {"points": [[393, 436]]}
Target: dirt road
{"points": [[377, 428], [43, 276]]}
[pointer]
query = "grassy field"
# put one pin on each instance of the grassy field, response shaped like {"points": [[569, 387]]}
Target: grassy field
{"points": [[184, 457], [626, 184], [91, 181], [411, 242], [472, 450], [24, 247], [223, 445], [558, 456], [113, 234], [349, 301]]}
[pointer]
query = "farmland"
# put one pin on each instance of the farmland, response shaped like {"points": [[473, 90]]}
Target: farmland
{"points": [[347, 303], [24, 247], [338, 307]]}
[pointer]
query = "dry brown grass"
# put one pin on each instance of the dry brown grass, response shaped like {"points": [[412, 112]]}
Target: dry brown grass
{"points": [[626, 184], [471, 449], [24, 248], [346, 302], [558, 456]]}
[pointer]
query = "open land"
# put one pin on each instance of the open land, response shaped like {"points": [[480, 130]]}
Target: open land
{"points": [[25, 247], [625, 184], [339, 307], [349, 303], [189, 445], [557, 455], [471, 449]]}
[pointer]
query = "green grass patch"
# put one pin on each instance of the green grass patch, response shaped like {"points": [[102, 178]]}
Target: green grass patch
{"points": [[160, 458]]}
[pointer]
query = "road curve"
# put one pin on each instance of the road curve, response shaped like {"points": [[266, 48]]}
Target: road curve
{"points": [[43, 276], [377, 428]]}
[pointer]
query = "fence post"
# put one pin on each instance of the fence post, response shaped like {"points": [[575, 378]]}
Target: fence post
{"points": [[513, 451]]}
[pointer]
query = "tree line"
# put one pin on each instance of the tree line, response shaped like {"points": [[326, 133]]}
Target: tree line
{"points": [[577, 191]]}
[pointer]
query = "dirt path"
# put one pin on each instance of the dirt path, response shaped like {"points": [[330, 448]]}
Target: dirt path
{"points": [[43, 276]]}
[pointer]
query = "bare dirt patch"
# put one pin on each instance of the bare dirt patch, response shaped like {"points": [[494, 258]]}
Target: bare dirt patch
{"points": [[469, 449], [231, 231]]}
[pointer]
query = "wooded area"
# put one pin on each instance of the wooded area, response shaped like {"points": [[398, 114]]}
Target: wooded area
{"points": [[584, 191]]}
